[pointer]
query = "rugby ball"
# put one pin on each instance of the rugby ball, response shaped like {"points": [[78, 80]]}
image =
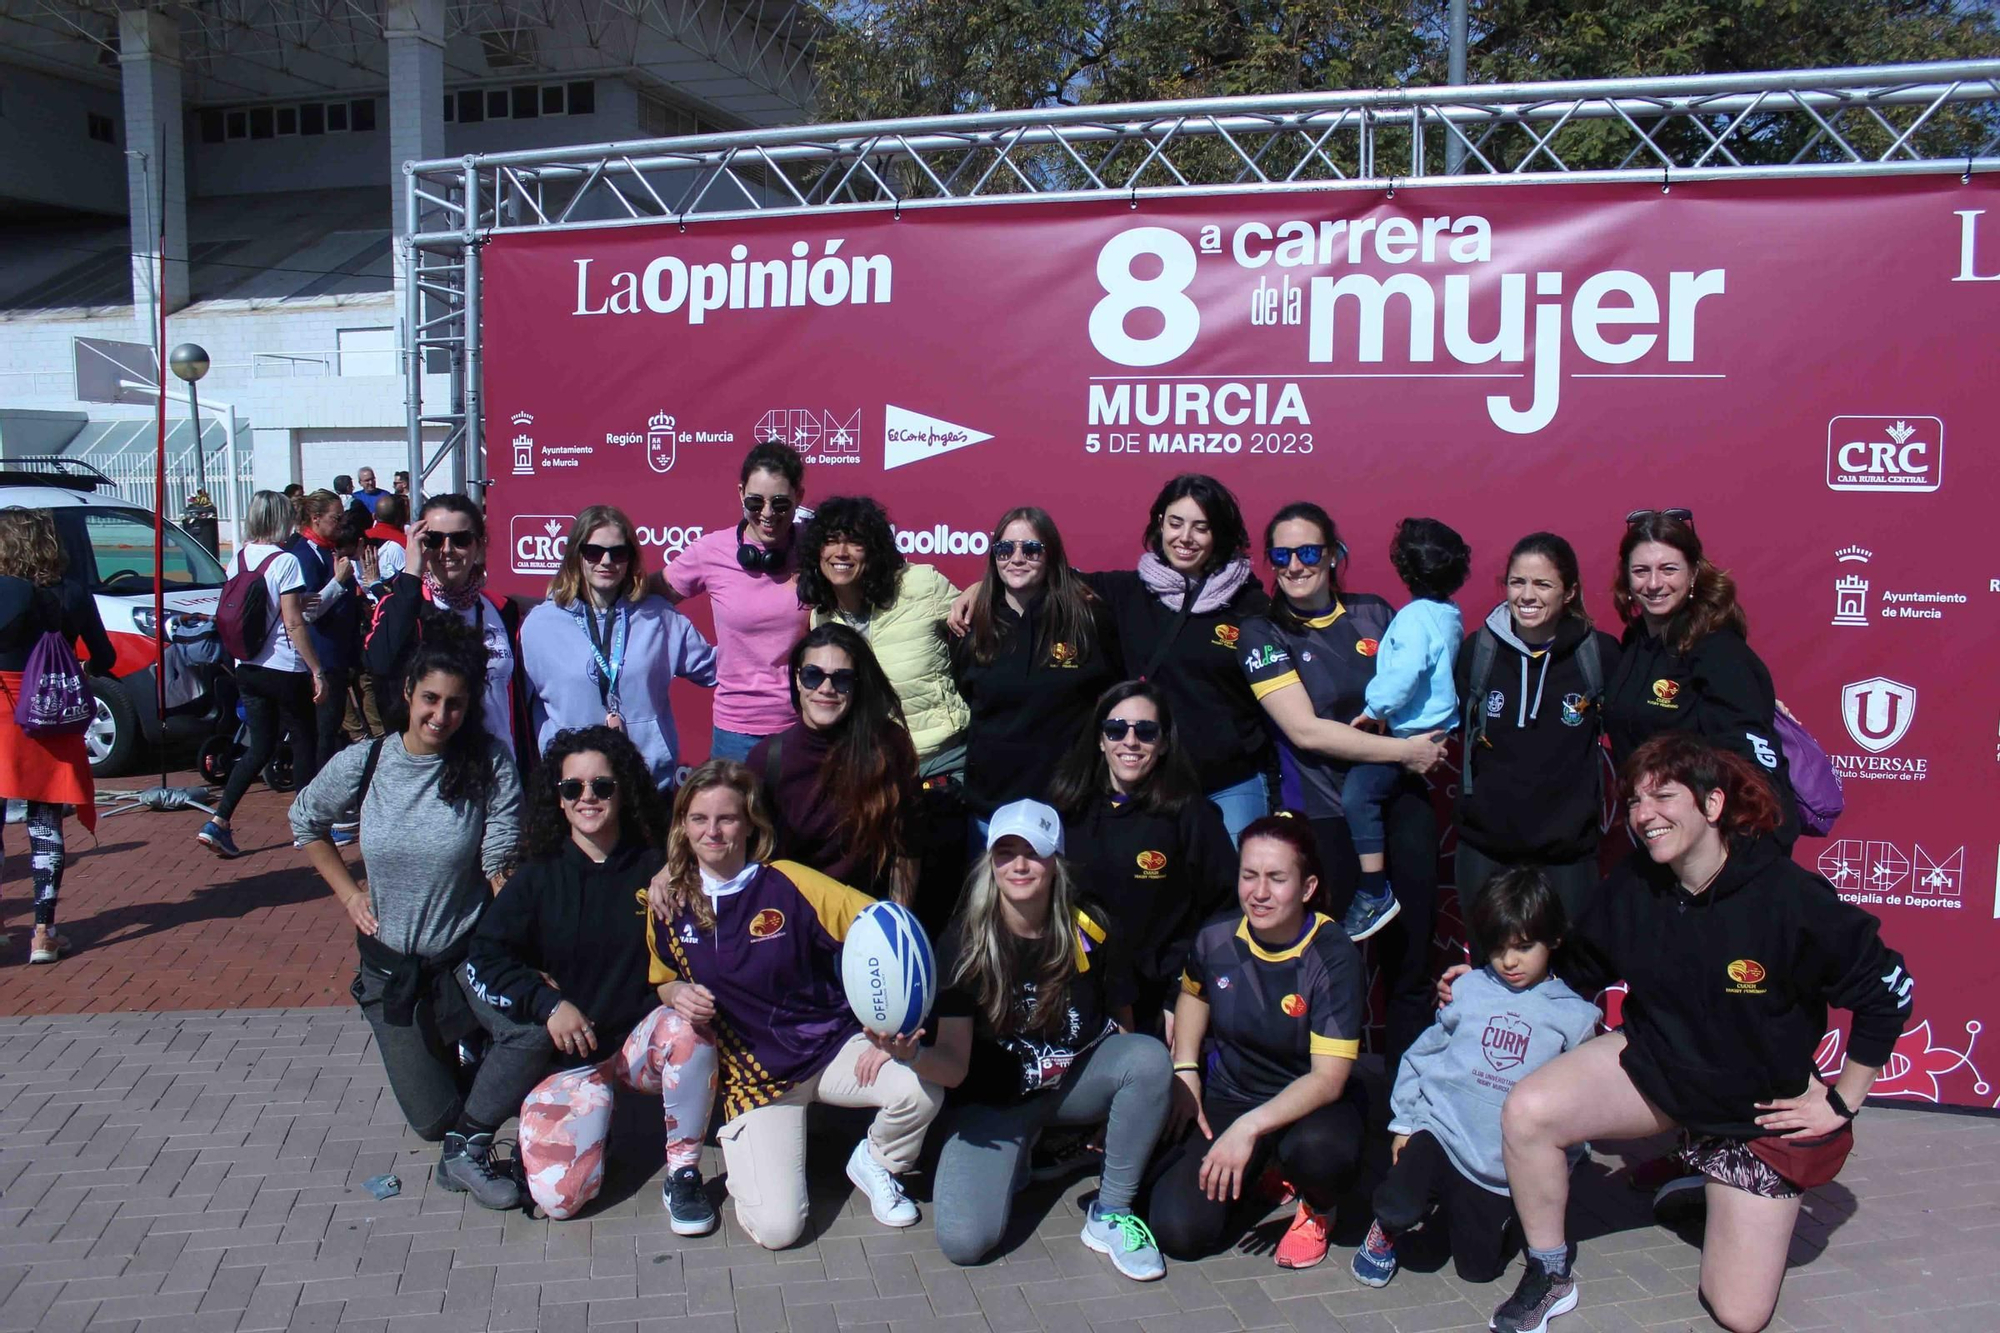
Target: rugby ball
{"points": [[888, 970]]}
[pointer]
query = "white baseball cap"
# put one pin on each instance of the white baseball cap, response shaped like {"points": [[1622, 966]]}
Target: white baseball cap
{"points": [[1037, 824]]}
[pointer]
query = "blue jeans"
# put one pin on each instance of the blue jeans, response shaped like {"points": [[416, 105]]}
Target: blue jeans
{"points": [[731, 744], [1362, 795], [1242, 804]]}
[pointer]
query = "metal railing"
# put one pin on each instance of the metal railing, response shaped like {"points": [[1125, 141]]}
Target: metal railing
{"points": [[1886, 120]]}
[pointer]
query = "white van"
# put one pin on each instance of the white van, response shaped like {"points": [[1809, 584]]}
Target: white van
{"points": [[109, 542]]}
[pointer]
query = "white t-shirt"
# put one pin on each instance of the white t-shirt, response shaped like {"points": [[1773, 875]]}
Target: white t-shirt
{"points": [[280, 576], [392, 559], [499, 670]]}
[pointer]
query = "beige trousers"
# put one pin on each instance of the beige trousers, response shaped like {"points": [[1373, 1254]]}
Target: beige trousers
{"points": [[764, 1150]]}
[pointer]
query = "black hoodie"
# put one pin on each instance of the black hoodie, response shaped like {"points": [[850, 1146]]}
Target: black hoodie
{"points": [[1030, 703], [1729, 989], [1720, 690], [1159, 876], [581, 922], [1221, 724], [1537, 784]]}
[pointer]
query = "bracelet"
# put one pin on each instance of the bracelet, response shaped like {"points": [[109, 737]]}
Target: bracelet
{"points": [[1840, 1107], [1187, 1067]]}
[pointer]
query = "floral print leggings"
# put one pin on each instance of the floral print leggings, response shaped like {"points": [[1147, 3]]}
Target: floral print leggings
{"points": [[566, 1119]]}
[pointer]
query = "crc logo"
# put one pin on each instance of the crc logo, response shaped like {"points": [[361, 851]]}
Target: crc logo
{"points": [[1884, 453], [535, 542], [1878, 712]]}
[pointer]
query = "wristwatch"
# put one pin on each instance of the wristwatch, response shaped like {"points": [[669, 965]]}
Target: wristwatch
{"points": [[1840, 1108]]}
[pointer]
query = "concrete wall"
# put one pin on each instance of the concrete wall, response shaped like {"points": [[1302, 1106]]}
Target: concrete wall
{"points": [[46, 152], [293, 162]]}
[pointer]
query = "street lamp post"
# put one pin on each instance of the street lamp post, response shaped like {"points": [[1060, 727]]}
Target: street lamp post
{"points": [[190, 362]]}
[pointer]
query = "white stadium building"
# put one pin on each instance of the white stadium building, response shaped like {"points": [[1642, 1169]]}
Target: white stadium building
{"points": [[265, 139]]}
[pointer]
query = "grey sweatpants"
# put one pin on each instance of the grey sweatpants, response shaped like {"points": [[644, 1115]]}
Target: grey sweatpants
{"points": [[1122, 1082]]}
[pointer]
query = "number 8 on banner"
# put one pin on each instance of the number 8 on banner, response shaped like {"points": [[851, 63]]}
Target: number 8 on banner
{"points": [[1125, 292]]}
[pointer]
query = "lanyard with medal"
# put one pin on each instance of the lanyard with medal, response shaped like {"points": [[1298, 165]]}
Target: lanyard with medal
{"points": [[609, 662]]}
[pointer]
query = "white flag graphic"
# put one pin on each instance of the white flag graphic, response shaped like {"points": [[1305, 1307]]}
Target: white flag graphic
{"points": [[912, 437]]}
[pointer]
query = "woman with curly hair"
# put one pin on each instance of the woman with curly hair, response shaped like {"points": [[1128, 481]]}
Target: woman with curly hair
{"points": [[850, 573], [557, 973], [1732, 956], [841, 782], [439, 809], [750, 948], [1685, 662], [50, 772]]}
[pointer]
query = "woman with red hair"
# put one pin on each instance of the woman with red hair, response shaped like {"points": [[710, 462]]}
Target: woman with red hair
{"points": [[1732, 956]]}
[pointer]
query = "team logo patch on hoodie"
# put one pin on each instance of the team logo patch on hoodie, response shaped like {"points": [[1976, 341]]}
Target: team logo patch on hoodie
{"points": [[1572, 710], [1152, 864], [1367, 647], [1748, 974], [1226, 635], [1294, 1006], [766, 924], [1664, 692], [1495, 701], [1062, 654]]}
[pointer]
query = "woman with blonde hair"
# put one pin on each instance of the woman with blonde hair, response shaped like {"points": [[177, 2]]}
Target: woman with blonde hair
{"points": [[281, 681], [1034, 1029], [50, 772], [631, 643], [750, 949]]}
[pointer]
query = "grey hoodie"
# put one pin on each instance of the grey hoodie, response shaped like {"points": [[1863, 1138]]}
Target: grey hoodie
{"points": [[1461, 1069]]}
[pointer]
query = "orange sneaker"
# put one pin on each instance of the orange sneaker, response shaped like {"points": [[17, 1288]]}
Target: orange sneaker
{"points": [[1305, 1243]]}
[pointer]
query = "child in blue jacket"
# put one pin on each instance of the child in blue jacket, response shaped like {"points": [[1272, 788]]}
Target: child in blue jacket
{"points": [[1412, 694], [1505, 1021]]}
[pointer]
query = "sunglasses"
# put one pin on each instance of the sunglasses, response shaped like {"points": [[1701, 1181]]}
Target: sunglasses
{"points": [[593, 554], [460, 541], [842, 680], [781, 505], [1030, 550], [571, 789], [1114, 729], [1679, 515], [1309, 556]]}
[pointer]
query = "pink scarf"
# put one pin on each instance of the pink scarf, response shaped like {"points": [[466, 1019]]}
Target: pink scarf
{"points": [[1171, 586], [464, 599]]}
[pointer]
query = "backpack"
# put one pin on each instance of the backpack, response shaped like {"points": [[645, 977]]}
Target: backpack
{"points": [[1485, 651], [55, 698], [1815, 787], [243, 612]]}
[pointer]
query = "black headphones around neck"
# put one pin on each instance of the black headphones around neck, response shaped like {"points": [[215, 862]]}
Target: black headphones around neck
{"points": [[759, 559]]}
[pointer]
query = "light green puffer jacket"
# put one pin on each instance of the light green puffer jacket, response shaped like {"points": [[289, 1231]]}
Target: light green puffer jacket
{"points": [[909, 639]]}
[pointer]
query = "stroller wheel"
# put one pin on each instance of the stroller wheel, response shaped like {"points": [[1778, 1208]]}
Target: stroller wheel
{"points": [[278, 773], [218, 756]]}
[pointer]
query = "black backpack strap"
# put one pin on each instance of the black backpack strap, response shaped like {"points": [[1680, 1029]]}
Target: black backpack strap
{"points": [[1590, 660], [1166, 643], [368, 772], [1485, 651]]}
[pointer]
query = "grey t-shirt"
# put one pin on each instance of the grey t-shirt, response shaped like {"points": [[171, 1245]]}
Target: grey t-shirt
{"points": [[428, 861]]}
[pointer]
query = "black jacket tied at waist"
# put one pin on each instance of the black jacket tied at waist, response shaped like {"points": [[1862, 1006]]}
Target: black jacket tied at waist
{"points": [[412, 978]]}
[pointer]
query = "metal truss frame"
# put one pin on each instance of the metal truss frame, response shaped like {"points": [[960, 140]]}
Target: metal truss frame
{"points": [[1883, 120]]}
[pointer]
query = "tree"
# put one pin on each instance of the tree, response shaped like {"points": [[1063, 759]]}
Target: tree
{"points": [[900, 58]]}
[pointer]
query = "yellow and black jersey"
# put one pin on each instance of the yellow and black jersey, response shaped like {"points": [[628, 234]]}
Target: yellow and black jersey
{"points": [[1272, 1010]]}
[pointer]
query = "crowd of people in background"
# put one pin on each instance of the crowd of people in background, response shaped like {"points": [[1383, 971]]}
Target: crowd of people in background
{"points": [[1151, 816]]}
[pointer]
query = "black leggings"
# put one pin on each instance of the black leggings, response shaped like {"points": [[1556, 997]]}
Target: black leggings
{"points": [[1475, 1217], [1318, 1153], [1402, 950], [274, 703]]}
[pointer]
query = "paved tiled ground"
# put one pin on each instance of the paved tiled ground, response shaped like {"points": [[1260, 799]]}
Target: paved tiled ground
{"points": [[159, 924], [168, 1173]]}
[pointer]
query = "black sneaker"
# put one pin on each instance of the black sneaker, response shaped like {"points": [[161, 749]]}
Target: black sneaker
{"points": [[1681, 1203], [1540, 1297], [689, 1212], [466, 1166]]}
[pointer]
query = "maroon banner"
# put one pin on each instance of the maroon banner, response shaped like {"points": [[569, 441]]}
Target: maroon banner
{"points": [[1806, 365]]}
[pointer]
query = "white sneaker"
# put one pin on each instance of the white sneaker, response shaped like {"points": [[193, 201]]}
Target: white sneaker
{"points": [[892, 1207]]}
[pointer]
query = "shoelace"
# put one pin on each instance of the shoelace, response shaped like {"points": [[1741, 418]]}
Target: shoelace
{"points": [[1135, 1234]]}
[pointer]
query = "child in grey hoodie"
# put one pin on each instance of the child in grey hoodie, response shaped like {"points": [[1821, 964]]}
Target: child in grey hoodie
{"points": [[1505, 1021]]}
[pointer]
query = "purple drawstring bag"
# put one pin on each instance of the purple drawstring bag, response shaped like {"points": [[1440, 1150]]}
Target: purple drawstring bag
{"points": [[55, 699], [1815, 786]]}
